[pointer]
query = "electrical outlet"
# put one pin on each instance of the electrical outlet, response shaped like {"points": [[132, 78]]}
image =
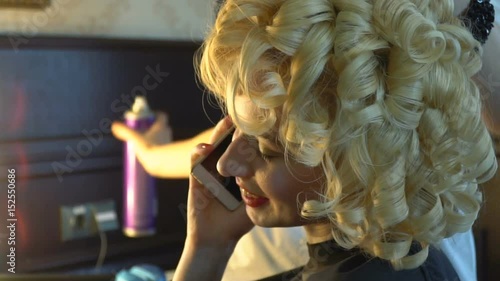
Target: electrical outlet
{"points": [[86, 220], [105, 215], [76, 222]]}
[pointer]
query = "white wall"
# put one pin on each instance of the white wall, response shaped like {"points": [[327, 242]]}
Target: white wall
{"points": [[142, 19]]}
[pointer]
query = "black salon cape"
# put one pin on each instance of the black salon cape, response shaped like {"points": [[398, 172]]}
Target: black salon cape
{"points": [[329, 262]]}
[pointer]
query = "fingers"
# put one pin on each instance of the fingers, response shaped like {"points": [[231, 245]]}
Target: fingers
{"points": [[160, 129], [223, 126], [161, 123], [210, 222], [161, 119], [124, 133], [160, 133], [201, 150]]}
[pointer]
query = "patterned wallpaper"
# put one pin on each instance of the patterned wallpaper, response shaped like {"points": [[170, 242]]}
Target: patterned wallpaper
{"points": [[156, 19]]}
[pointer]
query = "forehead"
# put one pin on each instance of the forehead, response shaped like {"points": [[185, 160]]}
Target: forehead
{"points": [[251, 119]]}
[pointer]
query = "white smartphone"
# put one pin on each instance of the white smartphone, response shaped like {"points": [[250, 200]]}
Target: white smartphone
{"points": [[205, 171]]}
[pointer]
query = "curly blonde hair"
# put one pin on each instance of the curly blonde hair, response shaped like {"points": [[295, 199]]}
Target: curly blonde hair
{"points": [[378, 92]]}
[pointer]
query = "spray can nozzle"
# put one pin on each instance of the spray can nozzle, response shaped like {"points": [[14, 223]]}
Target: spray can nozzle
{"points": [[140, 109], [140, 105]]}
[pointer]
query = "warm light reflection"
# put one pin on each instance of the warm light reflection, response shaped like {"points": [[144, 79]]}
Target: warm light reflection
{"points": [[22, 172], [19, 109], [20, 164], [18, 113]]}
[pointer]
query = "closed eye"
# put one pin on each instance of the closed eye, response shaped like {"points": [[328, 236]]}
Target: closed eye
{"points": [[264, 151]]}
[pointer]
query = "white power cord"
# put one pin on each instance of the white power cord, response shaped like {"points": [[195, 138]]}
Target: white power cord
{"points": [[104, 243]]}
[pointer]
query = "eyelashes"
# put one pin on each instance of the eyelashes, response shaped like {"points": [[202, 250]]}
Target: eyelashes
{"points": [[265, 153]]}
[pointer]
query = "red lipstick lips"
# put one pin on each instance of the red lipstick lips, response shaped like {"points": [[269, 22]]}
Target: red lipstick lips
{"points": [[250, 199]]}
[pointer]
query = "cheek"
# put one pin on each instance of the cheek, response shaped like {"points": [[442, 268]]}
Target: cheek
{"points": [[281, 186]]}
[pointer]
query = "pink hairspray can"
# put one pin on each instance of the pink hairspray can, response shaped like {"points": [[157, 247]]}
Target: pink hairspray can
{"points": [[140, 197]]}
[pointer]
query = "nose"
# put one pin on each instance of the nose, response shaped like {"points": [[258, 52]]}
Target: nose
{"points": [[237, 159]]}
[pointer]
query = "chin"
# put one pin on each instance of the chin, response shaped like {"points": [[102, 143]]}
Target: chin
{"points": [[268, 222], [272, 225]]}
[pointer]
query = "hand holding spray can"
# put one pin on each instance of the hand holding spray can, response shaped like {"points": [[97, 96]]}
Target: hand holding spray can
{"points": [[140, 198]]}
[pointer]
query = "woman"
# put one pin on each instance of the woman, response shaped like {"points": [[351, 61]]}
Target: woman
{"points": [[461, 267], [367, 128]]}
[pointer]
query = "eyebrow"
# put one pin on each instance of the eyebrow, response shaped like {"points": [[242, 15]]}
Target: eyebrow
{"points": [[271, 140], [266, 138], [270, 135]]}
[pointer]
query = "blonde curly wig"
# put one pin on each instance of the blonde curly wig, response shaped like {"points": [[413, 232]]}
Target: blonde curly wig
{"points": [[378, 92]]}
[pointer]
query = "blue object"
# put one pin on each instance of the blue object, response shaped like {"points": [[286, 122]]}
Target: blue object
{"points": [[142, 272]]}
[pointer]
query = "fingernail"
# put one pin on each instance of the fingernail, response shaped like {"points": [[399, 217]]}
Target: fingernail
{"points": [[202, 146]]}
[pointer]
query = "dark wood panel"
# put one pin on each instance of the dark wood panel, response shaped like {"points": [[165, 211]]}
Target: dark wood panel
{"points": [[64, 92], [38, 234], [54, 93], [69, 42]]}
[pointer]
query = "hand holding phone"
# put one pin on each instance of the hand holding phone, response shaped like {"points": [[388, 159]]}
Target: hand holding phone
{"points": [[205, 171]]}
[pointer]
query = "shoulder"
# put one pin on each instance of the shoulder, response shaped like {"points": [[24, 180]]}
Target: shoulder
{"points": [[437, 267], [360, 267]]}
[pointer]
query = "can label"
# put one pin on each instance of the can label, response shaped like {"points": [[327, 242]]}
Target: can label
{"points": [[140, 198]]}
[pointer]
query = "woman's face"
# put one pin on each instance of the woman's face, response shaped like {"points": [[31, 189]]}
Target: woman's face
{"points": [[269, 187]]}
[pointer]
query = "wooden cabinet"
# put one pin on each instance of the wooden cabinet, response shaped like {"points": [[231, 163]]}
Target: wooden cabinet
{"points": [[57, 94]]}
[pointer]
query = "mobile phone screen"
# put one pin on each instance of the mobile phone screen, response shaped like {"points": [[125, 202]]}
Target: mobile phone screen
{"points": [[210, 164]]}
